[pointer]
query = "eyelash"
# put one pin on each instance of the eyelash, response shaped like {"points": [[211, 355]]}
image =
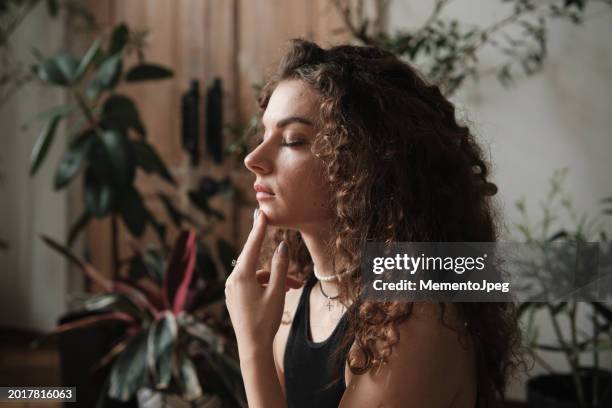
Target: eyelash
{"points": [[259, 140]]}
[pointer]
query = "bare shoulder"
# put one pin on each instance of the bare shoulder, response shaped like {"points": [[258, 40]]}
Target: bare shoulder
{"points": [[431, 365]]}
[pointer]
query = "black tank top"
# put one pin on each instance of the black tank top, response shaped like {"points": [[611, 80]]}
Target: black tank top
{"points": [[309, 366]]}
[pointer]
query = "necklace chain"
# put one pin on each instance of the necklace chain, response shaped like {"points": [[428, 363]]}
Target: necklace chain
{"points": [[325, 294]]}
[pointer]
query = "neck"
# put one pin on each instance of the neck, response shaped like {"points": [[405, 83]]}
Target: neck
{"points": [[318, 244]]}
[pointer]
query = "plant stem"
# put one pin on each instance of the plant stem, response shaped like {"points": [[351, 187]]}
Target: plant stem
{"points": [[575, 352], [86, 110], [568, 354]]}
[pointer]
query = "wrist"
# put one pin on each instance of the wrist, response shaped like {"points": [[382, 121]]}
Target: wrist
{"points": [[254, 351]]}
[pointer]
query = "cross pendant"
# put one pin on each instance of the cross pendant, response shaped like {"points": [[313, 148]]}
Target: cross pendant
{"points": [[329, 305]]}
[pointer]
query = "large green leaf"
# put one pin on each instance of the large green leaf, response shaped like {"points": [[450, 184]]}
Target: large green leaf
{"points": [[120, 113], [162, 335], [120, 156], [43, 143], [128, 374], [110, 71], [106, 77], [119, 39], [98, 194], [89, 57], [148, 263], [133, 211], [59, 69], [148, 159], [72, 159], [147, 72]]}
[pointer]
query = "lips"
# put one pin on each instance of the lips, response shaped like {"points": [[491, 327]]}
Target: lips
{"points": [[260, 188]]}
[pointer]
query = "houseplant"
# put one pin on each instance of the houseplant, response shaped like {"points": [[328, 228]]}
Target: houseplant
{"points": [[163, 334], [108, 141], [585, 385]]}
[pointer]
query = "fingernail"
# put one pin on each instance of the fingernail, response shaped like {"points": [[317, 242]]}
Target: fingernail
{"points": [[282, 249], [255, 213]]}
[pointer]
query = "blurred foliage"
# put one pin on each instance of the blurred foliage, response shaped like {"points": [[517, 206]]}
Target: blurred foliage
{"points": [[165, 329], [447, 50], [15, 73], [107, 145], [109, 142], [571, 340]]}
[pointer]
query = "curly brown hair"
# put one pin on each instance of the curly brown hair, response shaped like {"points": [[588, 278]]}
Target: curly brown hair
{"points": [[400, 168]]}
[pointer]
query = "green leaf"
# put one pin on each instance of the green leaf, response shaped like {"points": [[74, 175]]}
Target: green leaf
{"points": [[161, 337], [101, 302], [43, 143], [133, 212], [121, 157], [119, 39], [147, 72], [149, 263], [72, 159], [120, 113], [110, 71], [148, 159], [89, 57], [98, 194], [128, 374], [79, 224], [188, 379], [58, 70], [106, 77]]}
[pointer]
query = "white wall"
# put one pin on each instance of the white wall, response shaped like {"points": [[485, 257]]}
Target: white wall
{"points": [[33, 277], [561, 117]]}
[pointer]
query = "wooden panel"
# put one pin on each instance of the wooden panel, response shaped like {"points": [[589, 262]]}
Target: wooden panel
{"points": [[238, 41]]}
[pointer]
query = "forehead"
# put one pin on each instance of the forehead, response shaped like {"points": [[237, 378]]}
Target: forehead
{"points": [[291, 98]]}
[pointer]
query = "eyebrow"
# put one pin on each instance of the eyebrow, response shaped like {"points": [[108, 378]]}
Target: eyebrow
{"points": [[294, 119]]}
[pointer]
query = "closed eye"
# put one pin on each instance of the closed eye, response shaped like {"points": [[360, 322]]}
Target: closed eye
{"points": [[296, 143], [258, 139]]}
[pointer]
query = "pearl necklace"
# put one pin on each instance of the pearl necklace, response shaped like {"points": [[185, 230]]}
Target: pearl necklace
{"points": [[326, 278]]}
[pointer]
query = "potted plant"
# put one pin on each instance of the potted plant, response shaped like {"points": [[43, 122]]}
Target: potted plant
{"points": [[585, 385], [165, 348]]}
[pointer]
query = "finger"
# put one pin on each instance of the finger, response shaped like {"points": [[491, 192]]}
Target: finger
{"points": [[250, 252], [280, 267], [263, 277]]}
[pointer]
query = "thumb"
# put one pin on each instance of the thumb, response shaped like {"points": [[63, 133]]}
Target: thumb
{"points": [[279, 268]]}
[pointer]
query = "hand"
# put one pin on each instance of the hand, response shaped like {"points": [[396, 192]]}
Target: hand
{"points": [[263, 277], [256, 310]]}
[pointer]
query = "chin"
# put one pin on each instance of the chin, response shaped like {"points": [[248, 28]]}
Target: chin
{"points": [[277, 220]]}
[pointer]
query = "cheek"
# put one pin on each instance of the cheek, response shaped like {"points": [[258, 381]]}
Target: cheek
{"points": [[305, 187]]}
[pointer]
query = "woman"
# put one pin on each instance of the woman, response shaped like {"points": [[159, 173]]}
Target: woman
{"points": [[357, 147]]}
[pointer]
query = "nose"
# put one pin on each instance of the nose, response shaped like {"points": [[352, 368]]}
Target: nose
{"points": [[256, 162]]}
